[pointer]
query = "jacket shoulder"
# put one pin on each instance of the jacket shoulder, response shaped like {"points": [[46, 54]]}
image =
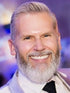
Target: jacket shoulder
{"points": [[65, 73]]}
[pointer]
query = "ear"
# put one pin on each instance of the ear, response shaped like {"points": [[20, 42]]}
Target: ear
{"points": [[59, 41], [12, 47], [59, 36]]}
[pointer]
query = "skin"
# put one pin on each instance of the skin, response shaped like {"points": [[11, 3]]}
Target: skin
{"points": [[35, 34]]}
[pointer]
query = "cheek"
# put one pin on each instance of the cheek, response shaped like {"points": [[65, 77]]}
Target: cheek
{"points": [[25, 47], [51, 44]]}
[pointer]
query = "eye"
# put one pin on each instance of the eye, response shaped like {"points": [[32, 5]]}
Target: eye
{"points": [[46, 35], [27, 38]]}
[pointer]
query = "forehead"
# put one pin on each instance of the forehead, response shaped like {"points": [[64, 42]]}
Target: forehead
{"points": [[34, 21], [32, 16]]}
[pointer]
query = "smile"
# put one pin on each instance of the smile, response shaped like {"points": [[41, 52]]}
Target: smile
{"points": [[39, 57]]}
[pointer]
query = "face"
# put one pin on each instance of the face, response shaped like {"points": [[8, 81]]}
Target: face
{"points": [[36, 46]]}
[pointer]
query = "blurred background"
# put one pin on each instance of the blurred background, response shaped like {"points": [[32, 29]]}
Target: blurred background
{"points": [[61, 8]]}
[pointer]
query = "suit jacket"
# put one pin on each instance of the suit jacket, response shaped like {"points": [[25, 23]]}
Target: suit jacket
{"points": [[13, 86]]}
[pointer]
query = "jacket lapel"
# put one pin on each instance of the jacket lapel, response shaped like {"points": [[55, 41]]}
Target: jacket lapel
{"points": [[64, 80]]}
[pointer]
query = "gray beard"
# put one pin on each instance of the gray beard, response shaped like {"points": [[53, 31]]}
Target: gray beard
{"points": [[35, 74]]}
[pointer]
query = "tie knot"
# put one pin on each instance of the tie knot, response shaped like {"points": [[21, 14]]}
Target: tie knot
{"points": [[50, 87]]}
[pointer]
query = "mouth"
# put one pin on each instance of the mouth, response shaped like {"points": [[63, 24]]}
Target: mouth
{"points": [[39, 57]]}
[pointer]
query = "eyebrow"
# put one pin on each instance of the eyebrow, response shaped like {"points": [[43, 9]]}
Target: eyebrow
{"points": [[31, 35], [23, 36]]}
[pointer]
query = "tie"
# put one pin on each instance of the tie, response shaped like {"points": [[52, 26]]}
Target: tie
{"points": [[50, 87]]}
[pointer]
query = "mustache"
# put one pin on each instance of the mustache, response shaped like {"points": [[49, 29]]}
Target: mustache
{"points": [[40, 53]]}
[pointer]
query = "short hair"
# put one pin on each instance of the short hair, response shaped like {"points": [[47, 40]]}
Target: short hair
{"points": [[29, 7]]}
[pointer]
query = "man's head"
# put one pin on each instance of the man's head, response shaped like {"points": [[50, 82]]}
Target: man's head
{"points": [[35, 41]]}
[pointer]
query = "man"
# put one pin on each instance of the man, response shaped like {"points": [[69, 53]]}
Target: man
{"points": [[35, 42]]}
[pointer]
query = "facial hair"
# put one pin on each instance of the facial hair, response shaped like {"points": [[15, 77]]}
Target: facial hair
{"points": [[35, 74]]}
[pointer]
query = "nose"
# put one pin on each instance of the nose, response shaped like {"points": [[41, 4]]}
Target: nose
{"points": [[39, 45]]}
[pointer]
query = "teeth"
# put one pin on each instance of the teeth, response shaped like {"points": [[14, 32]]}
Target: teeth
{"points": [[39, 57]]}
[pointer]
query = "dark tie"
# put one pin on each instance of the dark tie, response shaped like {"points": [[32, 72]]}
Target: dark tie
{"points": [[50, 87]]}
